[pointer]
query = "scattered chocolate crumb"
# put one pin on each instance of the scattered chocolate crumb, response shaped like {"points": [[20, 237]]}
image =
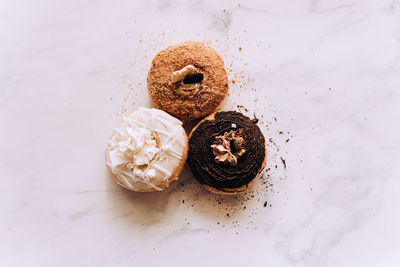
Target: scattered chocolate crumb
{"points": [[280, 132], [265, 203], [287, 140], [240, 49], [243, 107], [283, 162], [183, 201]]}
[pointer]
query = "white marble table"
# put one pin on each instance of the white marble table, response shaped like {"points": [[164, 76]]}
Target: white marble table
{"points": [[322, 76]]}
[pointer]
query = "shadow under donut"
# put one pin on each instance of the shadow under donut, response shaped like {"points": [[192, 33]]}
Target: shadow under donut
{"points": [[186, 196], [140, 208]]}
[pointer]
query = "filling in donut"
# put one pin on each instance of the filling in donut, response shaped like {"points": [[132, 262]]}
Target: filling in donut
{"points": [[228, 148], [188, 78]]}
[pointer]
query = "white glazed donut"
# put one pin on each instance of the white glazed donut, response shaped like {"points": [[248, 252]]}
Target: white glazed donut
{"points": [[148, 151]]}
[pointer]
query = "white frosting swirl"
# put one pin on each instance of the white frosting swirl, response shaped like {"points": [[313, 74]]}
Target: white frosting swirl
{"points": [[144, 152]]}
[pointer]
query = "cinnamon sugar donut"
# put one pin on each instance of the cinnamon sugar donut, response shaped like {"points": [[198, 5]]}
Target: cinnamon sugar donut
{"points": [[188, 80]]}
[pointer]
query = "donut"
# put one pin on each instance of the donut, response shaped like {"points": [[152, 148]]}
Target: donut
{"points": [[188, 80], [148, 151], [226, 152]]}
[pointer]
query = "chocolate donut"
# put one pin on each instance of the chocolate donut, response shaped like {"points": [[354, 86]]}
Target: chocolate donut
{"points": [[226, 151]]}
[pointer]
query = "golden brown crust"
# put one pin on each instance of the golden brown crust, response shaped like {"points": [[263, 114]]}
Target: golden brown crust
{"points": [[187, 105], [175, 174], [229, 191]]}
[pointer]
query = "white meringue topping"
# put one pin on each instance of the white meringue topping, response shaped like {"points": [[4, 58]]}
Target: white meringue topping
{"points": [[144, 152]]}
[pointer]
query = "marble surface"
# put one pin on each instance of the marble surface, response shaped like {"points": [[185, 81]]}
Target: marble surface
{"points": [[322, 76]]}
